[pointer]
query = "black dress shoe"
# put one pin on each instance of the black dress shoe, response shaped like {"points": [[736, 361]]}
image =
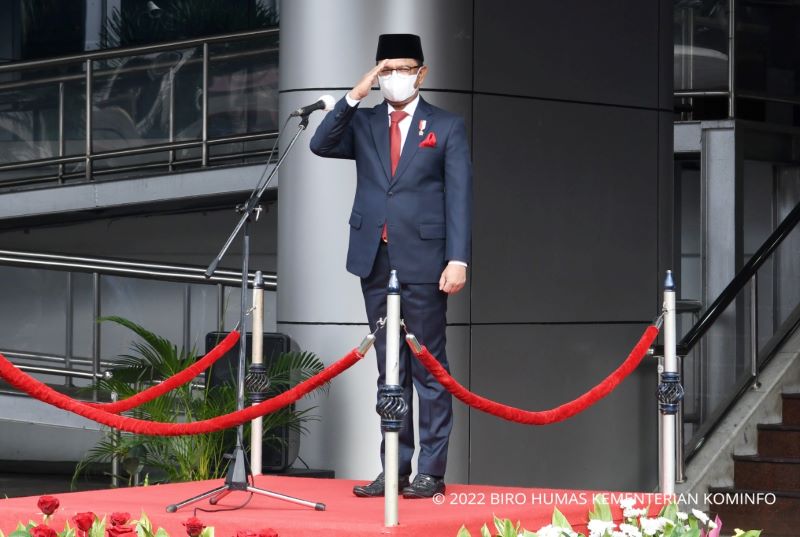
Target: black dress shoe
{"points": [[424, 486], [376, 488]]}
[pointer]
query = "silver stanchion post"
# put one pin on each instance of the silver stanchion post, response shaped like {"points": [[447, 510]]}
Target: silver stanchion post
{"points": [[257, 361], [391, 406], [670, 393], [115, 438]]}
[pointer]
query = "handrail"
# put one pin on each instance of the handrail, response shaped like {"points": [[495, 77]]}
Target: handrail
{"points": [[124, 70], [82, 163], [739, 281], [689, 93], [123, 267], [134, 51], [62, 372]]}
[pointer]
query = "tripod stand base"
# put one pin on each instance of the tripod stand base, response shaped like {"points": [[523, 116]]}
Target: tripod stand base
{"points": [[215, 495], [237, 480]]}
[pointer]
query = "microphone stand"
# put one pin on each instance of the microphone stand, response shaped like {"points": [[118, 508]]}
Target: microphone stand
{"points": [[239, 477]]}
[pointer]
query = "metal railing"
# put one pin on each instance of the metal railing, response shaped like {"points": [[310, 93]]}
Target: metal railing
{"points": [[731, 93], [189, 148], [740, 332], [71, 367]]}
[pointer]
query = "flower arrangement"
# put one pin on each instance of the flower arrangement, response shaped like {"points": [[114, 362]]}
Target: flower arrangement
{"points": [[118, 524], [670, 522]]}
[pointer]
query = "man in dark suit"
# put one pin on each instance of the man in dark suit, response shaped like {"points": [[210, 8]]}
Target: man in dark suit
{"points": [[412, 212]]}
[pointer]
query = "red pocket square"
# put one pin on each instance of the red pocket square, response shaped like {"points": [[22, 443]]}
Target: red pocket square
{"points": [[429, 141]]}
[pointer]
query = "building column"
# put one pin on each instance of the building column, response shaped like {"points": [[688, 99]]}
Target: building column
{"points": [[326, 47]]}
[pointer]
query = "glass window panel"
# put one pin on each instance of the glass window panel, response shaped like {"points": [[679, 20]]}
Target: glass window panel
{"points": [[717, 366], [188, 95], [688, 241], [32, 106], [203, 315], [758, 216], [32, 316], [243, 87], [137, 23], [156, 305], [130, 100], [82, 315], [786, 275], [700, 35]]}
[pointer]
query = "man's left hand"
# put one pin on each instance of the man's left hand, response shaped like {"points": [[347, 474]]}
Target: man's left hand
{"points": [[453, 278]]}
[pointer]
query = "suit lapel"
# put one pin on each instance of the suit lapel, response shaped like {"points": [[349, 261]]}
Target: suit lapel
{"points": [[380, 135], [411, 145]]}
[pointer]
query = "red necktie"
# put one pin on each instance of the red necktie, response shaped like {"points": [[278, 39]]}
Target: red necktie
{"points": [[394, 137], [394, 150]]}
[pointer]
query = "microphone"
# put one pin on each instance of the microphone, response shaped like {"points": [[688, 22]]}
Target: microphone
{"points": [[326, 102]]}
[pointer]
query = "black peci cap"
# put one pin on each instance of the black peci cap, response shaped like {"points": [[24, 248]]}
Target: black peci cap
{"points": [[391, 46]]}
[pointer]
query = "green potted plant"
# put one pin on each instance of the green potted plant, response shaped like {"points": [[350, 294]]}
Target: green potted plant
{"points": [[185, 458]]}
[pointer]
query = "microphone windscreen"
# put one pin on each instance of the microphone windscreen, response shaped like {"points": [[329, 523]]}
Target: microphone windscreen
{"points": [[329, 101]]}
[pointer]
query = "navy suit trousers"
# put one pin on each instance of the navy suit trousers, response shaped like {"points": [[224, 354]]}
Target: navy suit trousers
{"points": [[424, 310]]}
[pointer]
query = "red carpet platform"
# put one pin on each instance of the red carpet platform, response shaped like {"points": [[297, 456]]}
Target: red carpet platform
{"points": [[471, 505]]}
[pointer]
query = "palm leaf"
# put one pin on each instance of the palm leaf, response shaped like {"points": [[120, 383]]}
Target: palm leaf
{"points": [[292, 368], [154, 358]]}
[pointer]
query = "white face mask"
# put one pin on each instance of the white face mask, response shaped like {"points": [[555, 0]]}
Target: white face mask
{"points": [[397, 87]]}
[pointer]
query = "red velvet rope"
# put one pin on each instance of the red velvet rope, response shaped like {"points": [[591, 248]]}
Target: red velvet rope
{"points": [[169, 384], [44, 393], [560, 413]]}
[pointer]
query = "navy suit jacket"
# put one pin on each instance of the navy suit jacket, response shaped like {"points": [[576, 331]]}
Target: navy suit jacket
{"points": [[428, 203]]}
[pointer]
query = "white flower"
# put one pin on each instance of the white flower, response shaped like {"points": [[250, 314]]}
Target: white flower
{"points": [[598, 528], [549, 531], [683, 517], [652, 525], [554, 531], [701, 516], [712, 525], [627, 503], [630, 530], [633, 513]]}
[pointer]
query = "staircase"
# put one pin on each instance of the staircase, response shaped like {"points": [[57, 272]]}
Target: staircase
{"points": [[774, 472]]}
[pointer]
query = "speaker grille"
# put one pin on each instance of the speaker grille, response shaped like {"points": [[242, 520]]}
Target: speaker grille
{"points": [[279, 453]]}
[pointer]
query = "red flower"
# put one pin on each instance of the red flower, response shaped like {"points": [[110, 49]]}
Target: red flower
{"points": [[84, 521], [43, 531], [121, 530], [429, 141], [48, 504], [120, 518], [245, 533], [194, 527]]}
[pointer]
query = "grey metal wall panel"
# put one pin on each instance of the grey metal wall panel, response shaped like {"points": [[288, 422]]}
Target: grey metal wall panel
{"points": [[665, 55], [666, 199], [612, 446], [565, 212], [582, 50]]}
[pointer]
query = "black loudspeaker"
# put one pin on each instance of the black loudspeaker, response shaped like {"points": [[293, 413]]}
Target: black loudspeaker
{"points": [[275, 456]]}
